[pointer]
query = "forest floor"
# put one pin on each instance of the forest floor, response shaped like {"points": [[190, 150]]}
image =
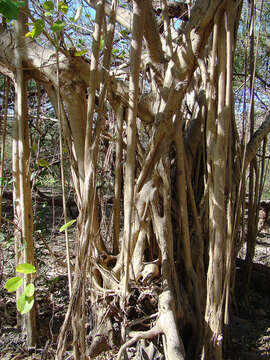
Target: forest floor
{"points": [[250, 323]]}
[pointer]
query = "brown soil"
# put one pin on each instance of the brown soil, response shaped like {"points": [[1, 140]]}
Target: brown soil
{"points": [[250, 324]]}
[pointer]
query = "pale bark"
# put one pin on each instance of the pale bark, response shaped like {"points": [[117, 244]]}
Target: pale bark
{"points": [[118, 175], [88, 225], [257, 138], [123, 15], [18, 239], [3, 132], [170, 297], [229, 115], [135, 57], [166, 325], [152, 37], [23, 170], [60, 115], [216, 167], [253, 181]]}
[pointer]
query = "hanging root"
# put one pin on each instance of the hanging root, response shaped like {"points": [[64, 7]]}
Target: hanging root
{"points": [[166, 324]]}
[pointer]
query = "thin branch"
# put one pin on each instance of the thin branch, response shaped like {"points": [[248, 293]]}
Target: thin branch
{"points": [[152, 36], [123, 17], [256, 139]]}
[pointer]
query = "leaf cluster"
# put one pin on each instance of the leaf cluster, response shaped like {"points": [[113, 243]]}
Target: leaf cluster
{"points": [[26, 300], [10, 8]]}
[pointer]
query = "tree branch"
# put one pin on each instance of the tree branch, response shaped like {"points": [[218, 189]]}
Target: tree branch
{"points": [[151, 35], [123, 16], [256, 139]]}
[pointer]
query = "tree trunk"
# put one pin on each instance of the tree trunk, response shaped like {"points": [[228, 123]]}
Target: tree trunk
{"points": [[22, 175]]}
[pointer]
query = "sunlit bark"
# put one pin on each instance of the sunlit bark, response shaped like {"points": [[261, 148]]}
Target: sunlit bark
{"points": [[22, 175]]}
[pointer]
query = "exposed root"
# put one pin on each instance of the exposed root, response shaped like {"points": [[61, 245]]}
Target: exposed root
{"points": [[138, 335], [103, 336], [166, 324]]}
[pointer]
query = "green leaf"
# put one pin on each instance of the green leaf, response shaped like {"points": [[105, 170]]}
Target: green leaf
{"points": [[4, 181], [48, 13], [21, 302], [48, 5], [101, 45], [43, 163], [26, 268], [25, 303], [63, 7], [124, 33], [122, 55], [29, 302], [13, 283], [10, 8], [78, 14], [38, 27], [67, 225], [58, 25], [80, 53], [29, 290], [34, 147]]}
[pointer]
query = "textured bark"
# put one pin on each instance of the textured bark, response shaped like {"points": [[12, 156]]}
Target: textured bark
{"points": [[135, 57], [166, 325], [3, 132], [118, 176], [23, 176], [216, 168]]}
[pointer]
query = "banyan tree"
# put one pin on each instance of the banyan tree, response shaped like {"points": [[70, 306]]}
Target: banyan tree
{"points": [[161, 115]]}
